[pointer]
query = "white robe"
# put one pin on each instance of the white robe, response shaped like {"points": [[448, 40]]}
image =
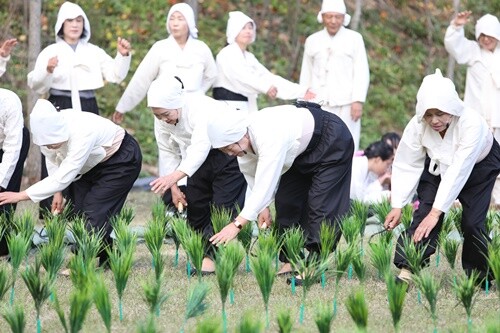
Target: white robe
{"points": [[240, 72], [11, 134], [3, 64], [365, 185], [194, 65], [482, 84]]}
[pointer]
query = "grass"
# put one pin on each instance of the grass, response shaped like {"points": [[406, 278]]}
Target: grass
{"points": [[248, 298]]}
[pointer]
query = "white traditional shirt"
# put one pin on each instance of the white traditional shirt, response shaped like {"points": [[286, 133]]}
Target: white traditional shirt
{"points": [[482, 84], [466, 142], [365, 185], [194, 65], [336, 68], [11, 134], [185, 146], [275, 149], [240, 72], [89, 135], [3, 64]]}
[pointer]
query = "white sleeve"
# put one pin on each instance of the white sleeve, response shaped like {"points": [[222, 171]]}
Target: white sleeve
{"points": [[169, 153], [114, 70], [210, 70], [460, 48], [288, 89], [197, 151], [3, 64], [13, 131], [39, 79]]}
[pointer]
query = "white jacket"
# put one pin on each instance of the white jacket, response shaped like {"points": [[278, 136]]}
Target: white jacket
{"points": [[194, 65], [3, 64], [11, 133], [365, 185], [336, 68]]}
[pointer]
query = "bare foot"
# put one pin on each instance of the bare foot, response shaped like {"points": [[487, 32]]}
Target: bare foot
{"points": [[207, 265]]}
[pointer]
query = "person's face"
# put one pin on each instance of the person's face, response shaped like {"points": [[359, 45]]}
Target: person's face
{"points": [[179, 28], [234, 149], [333, 22], [170, 116], [73, 29], [55, 145], [487, 42], [437, 119], [380, 166], [245, 36]]}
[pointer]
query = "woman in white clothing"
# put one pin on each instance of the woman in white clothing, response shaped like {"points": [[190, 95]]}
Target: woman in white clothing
{"points": [[241, 77], [370, 173], [446, 152], [181, 55]]}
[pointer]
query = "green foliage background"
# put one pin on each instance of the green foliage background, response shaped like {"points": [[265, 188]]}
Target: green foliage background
{"points": [[404, 40]]}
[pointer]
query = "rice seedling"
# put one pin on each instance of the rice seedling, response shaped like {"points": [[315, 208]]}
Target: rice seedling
{"points": [[124, 237], [407, 216], [466, 290], [153, 295], [359, 265], [456, 217], [380, 257], [396, 294], [245, 237], [327, 236], [284, 319], [249, 324], [381, 209], [194, 246], [148, 325], [293, 244], [24, 224], [310, 270], [102, 300], [323, 318], [235, 254], [39, 288], [265, 274], [220, 217], [154, 236], [14, 316], [127, 214], [56, 230], [120, 262], [358, 309], [350, 229], [494, 261], [359, 210], [413, 253], [342, 258], [18, 245], [158, 264], [449, 220], [52, 257], [209, 325], [269, 242], [87, 243], [82, 270], [180, 231], [196, 303], [449, 247], [79, 305], [492, 221], [5, 281], [429, 286]]}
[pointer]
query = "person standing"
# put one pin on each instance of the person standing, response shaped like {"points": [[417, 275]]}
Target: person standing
{"points": [[95, 159], [182, 54], [335, 66], [5, 50], [241, 77], [14, 146], [447, 152], [213, 178], [482, 57], [305, 166]]}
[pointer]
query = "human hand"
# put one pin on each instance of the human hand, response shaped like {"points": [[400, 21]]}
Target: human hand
{"points": [[425, 227], [52, 64], [272, 92], [265, 219], [356, 110], [228, 233], [123, 46], [117, 117], [57, 203], [12, 197], [7, 47], [462, 18], [178, 196], [160, 185], [309, 95], [392, 219]]}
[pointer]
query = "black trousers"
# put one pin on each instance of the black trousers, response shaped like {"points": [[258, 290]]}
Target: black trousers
{"points": [[217, 182], [101, 192], [14, 184], [475, 199], [316, 188], [61, 103]]}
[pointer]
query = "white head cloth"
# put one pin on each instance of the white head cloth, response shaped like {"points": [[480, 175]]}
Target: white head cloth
{"points": [[237, 20], [334, 6], [166, 92], [228, 129], [488, 25], [69, 11], [188, 14], [48, 126]]}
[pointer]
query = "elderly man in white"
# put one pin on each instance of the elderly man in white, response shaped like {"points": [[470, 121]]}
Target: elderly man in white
{"points": [[446, 152], [335, 66], [184, 151], [482, 57]]}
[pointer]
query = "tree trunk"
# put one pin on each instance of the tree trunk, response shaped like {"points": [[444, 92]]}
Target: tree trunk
{"points": [[32, 168], [356, 17], [450, 71]]}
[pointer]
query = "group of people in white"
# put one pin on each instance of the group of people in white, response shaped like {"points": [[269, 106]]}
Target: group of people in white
{"points": [[303, 157]]}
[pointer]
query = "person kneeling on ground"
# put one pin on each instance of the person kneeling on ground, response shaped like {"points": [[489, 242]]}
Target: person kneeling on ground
{"points": [[447, 152]]}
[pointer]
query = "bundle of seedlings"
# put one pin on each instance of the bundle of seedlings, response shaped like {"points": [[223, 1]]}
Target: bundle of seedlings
{"points": [[358, 309], [14, 316], [154, 236], [430, 286], [342, 259], [323, 317], [154, 295], [265, 274], [39, 286], [396, 295], [196, 303], [80, 301], [249, 324], [180, 232], [449, 248], [380, 256], [327, 236], [102, 300], [18, 245], [284, 320], [293, 244], [466, 289]]}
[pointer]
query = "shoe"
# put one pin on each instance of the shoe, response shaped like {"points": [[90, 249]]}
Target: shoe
{"points": [[194, 272], [400, 281]]}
